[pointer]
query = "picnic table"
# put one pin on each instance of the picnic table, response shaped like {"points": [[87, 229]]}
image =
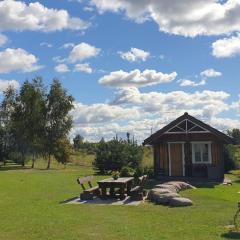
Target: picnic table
{"points": [[122, 183]]}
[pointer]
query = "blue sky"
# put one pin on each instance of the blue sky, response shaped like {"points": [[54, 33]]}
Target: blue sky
{"points": [[132, 65]]}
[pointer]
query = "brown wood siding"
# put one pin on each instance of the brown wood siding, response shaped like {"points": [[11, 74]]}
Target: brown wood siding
{"points": [[216, 154], [188, 159], [156, 158], [176, 159], [161, 157]]}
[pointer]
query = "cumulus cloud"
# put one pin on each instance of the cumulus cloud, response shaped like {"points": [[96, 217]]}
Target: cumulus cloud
{"points": [[83, 67], [101, 113], [46, 44], [136, 78], [190, 83], [62, 68], [19, 16], [210, 73], [17, 60], [135, 54], [4, 84], [140, 113], [59, 59], [187, 18], [224, 124], [83, 51], [226, 47], [3, 40], [205, 103], [68, 45]]}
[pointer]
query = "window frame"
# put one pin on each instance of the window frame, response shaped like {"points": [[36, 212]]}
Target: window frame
{"points": [[209, 153]]}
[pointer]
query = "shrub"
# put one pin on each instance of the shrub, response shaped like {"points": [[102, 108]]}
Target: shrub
{"points": [[149, 172], [127, 172], [230, 161], [144, 171], [116, 154]]}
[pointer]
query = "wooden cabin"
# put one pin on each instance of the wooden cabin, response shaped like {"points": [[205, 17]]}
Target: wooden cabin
{"points": [[189, 148]]}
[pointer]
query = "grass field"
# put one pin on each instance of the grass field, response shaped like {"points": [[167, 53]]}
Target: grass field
{"points": [[30, 207]]}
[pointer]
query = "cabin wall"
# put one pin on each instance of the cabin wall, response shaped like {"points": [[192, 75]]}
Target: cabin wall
{"points": [[213, 171], [161, 158]]}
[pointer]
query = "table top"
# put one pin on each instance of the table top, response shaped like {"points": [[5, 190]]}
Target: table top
{"points": [[119, 180]]}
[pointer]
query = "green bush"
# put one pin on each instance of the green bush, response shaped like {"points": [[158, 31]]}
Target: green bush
{"points": [[230, 160], [144, 171], [149, 172], [127, 172], [116, 154]]}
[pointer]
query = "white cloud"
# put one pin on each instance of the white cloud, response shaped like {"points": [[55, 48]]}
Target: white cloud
{"points": [[136, 78], [19, 16], [68, 45], [135, 54], [46, 44], [187, 18], [100, 112], [210, 73], [190, 83], [88, 9], [226, 47], [17, 60], [61, 68], [83, 67], [4, 84], [224, 124], [83, 51], [205, 103], [139, 113], [59, 59], [3, 40]]}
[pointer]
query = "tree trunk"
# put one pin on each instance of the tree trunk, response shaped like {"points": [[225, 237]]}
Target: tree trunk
{"points": [[49, 161], [33, 160], [23, 162]]}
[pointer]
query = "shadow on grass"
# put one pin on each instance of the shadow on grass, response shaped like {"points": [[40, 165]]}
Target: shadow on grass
{"points": [[231, 235], [13, 167], [68, 200]]}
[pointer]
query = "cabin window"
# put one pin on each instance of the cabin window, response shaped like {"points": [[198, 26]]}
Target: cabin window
{"points": [[201, 152]]}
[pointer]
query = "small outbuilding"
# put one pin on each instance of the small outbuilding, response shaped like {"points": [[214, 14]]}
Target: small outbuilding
{"points": [[189, 148]]}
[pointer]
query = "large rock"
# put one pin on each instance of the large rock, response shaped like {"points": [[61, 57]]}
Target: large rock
{"points": [[169, 187], [155, 192], [180, 202], [180, 185], [165, 198], [176, 185]]}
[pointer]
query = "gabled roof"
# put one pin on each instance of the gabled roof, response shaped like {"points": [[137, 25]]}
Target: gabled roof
{"points": [[203, 127]]}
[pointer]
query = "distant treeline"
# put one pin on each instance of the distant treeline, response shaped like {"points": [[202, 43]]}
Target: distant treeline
{"points": [[35, 121]]}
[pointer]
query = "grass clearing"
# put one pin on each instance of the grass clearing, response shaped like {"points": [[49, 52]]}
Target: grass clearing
{"points": [[30, 209]]}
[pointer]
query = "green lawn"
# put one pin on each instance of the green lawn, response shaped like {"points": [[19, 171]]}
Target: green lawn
{"points": [[30, 209]]}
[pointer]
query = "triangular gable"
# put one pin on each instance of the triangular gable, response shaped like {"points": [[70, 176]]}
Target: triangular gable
{"points": [[187, 124]]}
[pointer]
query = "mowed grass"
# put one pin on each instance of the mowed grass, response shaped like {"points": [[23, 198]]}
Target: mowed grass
{"points": [[31, 208]]}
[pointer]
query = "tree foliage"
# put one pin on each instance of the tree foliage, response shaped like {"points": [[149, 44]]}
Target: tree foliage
{"points": [[59, 122], [78, 142], [36, 122], [116, 154], [6, 111], [235, 134]]}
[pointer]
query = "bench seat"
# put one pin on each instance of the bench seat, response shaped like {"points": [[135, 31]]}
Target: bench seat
{"points": [[88, 193]]}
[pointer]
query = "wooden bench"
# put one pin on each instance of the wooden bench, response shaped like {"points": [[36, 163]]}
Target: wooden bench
{"points": [[90, 192], [137, 193]]}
